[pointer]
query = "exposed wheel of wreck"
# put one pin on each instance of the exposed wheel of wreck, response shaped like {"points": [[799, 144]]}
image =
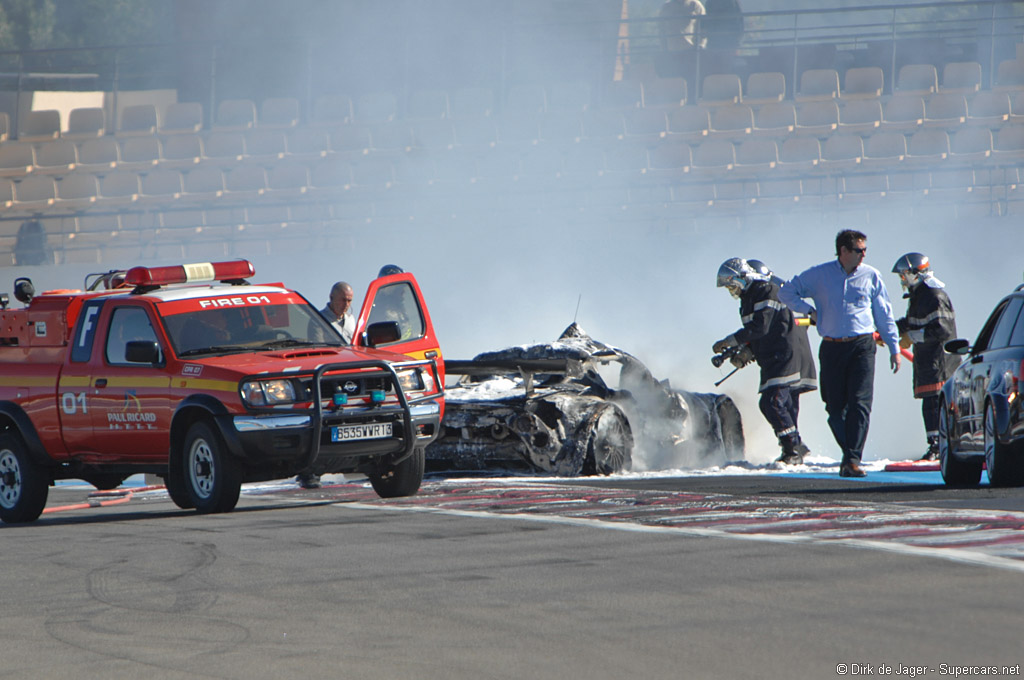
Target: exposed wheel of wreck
{"points": [[731, 422], [609, 442]]}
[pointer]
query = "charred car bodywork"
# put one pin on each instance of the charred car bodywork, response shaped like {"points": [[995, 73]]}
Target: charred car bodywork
{"points": [[547, 408]]}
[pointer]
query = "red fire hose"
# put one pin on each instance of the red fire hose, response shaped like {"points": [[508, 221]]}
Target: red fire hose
{"points": [[100, 499]]}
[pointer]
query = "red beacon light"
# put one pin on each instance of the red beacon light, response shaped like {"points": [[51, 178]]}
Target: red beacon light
{"points": [[234, 270]]}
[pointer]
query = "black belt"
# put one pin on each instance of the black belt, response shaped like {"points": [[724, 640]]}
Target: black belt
{"points": [[848, 339]]}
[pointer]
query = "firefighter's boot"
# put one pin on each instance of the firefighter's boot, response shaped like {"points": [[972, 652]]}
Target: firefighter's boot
{"points": [[791, 455], [933, 449]]}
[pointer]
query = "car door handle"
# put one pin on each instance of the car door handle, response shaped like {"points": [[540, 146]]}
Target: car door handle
{"points": [[101, 382], [432, 354], [977, 359]]}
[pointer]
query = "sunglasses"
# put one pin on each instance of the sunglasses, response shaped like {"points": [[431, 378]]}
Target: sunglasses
{"points": [[859, 251]]}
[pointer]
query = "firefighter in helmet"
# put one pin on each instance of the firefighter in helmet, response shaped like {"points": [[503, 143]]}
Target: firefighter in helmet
{"points": [[771, 337], [930, 322]]}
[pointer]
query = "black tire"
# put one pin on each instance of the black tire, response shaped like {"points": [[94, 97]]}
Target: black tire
{"points": [[175, 482], [24, 486], [403, 479], [609, 443], [955, 471], [105, 481], [210, 476], [1002, 465]]}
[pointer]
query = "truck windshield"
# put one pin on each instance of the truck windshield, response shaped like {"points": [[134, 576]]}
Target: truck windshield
{"points": [[244, 329]]}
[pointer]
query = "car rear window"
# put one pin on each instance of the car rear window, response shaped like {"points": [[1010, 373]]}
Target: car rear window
{"points": [[1017, 337], [1004, 327]]}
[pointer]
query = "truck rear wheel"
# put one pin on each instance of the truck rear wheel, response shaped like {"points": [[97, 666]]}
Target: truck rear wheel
{"points": [[403, 479], [23, 486], [211, 477]]}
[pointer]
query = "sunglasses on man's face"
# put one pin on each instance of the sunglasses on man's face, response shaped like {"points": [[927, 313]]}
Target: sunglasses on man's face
{"points": [[859, 251]]}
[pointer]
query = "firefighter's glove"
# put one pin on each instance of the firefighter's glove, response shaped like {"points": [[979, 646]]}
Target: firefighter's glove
{"points": [[905, 341], [742, 358], [724, 344]]}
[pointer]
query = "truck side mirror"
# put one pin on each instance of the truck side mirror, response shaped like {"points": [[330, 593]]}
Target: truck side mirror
{"points": [[142, 352], [958, 346], [382, 332]]}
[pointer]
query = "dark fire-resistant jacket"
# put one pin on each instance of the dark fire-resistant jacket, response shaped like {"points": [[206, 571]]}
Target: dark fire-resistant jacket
{"points": [[780, 347], [931, 313]]}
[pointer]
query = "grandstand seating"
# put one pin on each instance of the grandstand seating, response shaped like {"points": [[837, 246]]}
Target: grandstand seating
{"points": [[645, 149]]}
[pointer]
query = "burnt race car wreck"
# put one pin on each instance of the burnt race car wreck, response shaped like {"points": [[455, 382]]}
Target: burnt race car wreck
{"points": [[547, 408]]}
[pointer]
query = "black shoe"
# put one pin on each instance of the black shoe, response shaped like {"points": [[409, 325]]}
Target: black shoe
{"points": [[790, 458], [308, 480], [852, 470], [930, 454]]}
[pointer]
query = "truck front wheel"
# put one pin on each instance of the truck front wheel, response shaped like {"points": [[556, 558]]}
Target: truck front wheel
{"points": [[23, 486], [403, 479], [211, 477]]}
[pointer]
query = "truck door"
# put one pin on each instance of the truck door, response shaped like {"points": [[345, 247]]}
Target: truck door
{"points": [[398, 298], [74, 390], [130, 402]]}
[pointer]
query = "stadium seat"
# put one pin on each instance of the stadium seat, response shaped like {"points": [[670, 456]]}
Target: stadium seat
{"points": [[78, 191], [560, 127], [971, 145], [204, 184], [182, 151], [818, 85], [433, 134], [245, 183], [799, 154], [518, 129], [288, 181], [472, 102], [224, 148], [5, 126], [6, 199], [182, 118], [525, 99], [817, 118], [714, 157], [945, 110], [884, 150], [860, 116], [17, 159], [721, 89], [332, 110], [603, 125], [1009, 76], [427, 104], [904, 113], [864, 187], [988, 108], [622, 95], [86, 123], [917, 79], [628, 161], [235, 115], [927, 147], [645, 125], [98, 155], [34, 194], [376, 107], [756, 156], [39, 126], [670, 159], [779, 194], [841, 152], [476, 132], [137, 120], [688, 123], [865, 82], [392, 136], [764, 88], [119, 188], [1008, 147], [279, 113], [266, 145], [574, 97], [665, 93], [139, 154], [372, 173], [56, 157], [961, 77], [311, 143], [731, 122], [160, 188], [777, 119]]}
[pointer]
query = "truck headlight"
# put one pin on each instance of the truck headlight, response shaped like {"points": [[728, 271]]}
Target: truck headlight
{"points": [[268, 392], [410, 380]]}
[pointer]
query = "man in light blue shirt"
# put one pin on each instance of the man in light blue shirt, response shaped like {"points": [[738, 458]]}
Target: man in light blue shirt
{"points": [[850, 305]]}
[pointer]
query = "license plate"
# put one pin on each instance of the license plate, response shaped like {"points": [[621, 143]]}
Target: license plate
{"points": [[346, 433]]}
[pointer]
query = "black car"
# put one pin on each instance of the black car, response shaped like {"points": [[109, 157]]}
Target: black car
{"points": [[980, 417]]}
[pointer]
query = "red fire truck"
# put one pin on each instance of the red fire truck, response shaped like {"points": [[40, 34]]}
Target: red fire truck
{"points": [[192, 373]]}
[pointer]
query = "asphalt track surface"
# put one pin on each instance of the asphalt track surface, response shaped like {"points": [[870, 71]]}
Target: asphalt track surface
{"points": [[760, 576]]}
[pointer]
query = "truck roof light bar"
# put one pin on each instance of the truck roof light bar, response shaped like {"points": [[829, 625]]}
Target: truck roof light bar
{"points": [[150, 277]]}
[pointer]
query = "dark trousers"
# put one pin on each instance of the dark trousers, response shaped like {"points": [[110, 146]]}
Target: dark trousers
{"points": [[930, 411], [847, 387], [781, 407]]}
